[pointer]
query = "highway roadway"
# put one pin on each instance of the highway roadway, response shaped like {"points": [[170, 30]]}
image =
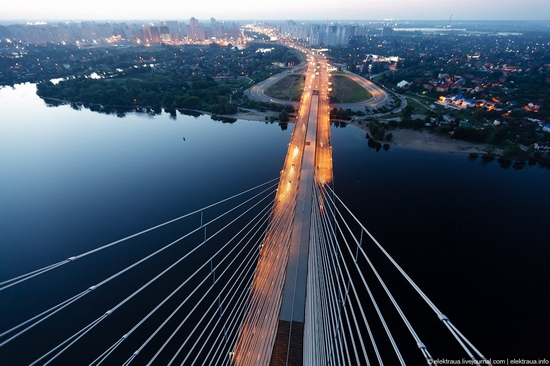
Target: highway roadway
{"points": [[323, 155], [310, 150], [275, 287], [379, 98]]}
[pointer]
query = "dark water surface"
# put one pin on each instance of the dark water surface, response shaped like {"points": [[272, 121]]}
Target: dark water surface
{"points": [[473, 235]]}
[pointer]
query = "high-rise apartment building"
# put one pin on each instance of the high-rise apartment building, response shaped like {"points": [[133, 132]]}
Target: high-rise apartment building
{"points": [[165, 34], [176, 32], [194, 31], [145, 35], [155, 34], [387, 32], [217, 28]]}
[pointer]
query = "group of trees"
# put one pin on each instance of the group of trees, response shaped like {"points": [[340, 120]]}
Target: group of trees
{"points": [[344, 114], [155, 90], [378, 132], [175, 84]]}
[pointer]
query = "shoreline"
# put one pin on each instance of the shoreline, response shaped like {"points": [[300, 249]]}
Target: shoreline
{"points": [[426, 141], [405, 138]]}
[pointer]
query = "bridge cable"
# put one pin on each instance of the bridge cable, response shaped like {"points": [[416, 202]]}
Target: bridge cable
{"points": [[266, 298], [332, 306], [68, 302], [371, 296], [16, 280], [419, 343], [93, 324], [243, 305], [440, 315], [159, 305], [197, 287], [325, 226]]}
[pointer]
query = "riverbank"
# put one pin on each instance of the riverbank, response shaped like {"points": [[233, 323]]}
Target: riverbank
{"points": [[423, 140], [407, 138], [252, 115], [418, 140]]}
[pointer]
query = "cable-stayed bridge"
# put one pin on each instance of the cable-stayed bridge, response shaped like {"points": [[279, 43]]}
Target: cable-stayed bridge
{"points": [[282, 273]]}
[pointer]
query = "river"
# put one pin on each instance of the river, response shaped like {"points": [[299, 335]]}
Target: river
{"points": [[472, 234]]}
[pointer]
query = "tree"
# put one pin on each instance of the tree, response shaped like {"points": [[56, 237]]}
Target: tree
{"points": [[407, 111], [283, 116], [445, 129]]}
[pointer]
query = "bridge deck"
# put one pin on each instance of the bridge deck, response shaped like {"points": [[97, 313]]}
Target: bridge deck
{"points": [[289, 339]]}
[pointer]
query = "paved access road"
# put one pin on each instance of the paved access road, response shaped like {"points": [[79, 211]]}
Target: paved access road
{"points": [[256, 92]]}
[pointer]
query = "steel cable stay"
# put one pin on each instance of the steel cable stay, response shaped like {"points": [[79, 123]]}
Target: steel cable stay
{"points": [[331, 238], [266, 294], [371, 295], [55, 309], [27, 276], [42, 316], [462, 340], [326, 336], [249, 267], [235, 316], [334, 263], [239, 281], [246, 306], [312, 337], [309, 324], [72, 300], [242, 307], [24, 277], [323, 304], [120, 304], [332, 305], [215, 280], [102, 357], [201, 300], [327, 325], [71, 340], [419, 343], [324, 226]]}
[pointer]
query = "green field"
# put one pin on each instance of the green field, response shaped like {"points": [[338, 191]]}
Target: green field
{"points": [[417, 108], [345, 90], [288, 88]]}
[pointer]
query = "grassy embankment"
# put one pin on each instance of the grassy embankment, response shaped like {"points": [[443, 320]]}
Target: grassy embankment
{"points": [[288, 88], [345, 90]]}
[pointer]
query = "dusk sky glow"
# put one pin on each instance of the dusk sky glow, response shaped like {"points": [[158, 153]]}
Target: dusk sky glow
{"points": [[35, 10]]}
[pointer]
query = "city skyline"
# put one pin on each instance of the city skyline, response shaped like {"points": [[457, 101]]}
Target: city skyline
{"points": [[34, 10]]}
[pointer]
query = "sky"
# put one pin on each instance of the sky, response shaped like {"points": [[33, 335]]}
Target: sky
{"points": [[34, 10]]}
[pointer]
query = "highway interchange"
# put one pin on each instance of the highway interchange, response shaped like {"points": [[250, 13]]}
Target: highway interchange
{"points": [[379, 96]]}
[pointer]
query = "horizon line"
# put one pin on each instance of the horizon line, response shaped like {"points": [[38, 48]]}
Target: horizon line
{"points": [[267, 20]]}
